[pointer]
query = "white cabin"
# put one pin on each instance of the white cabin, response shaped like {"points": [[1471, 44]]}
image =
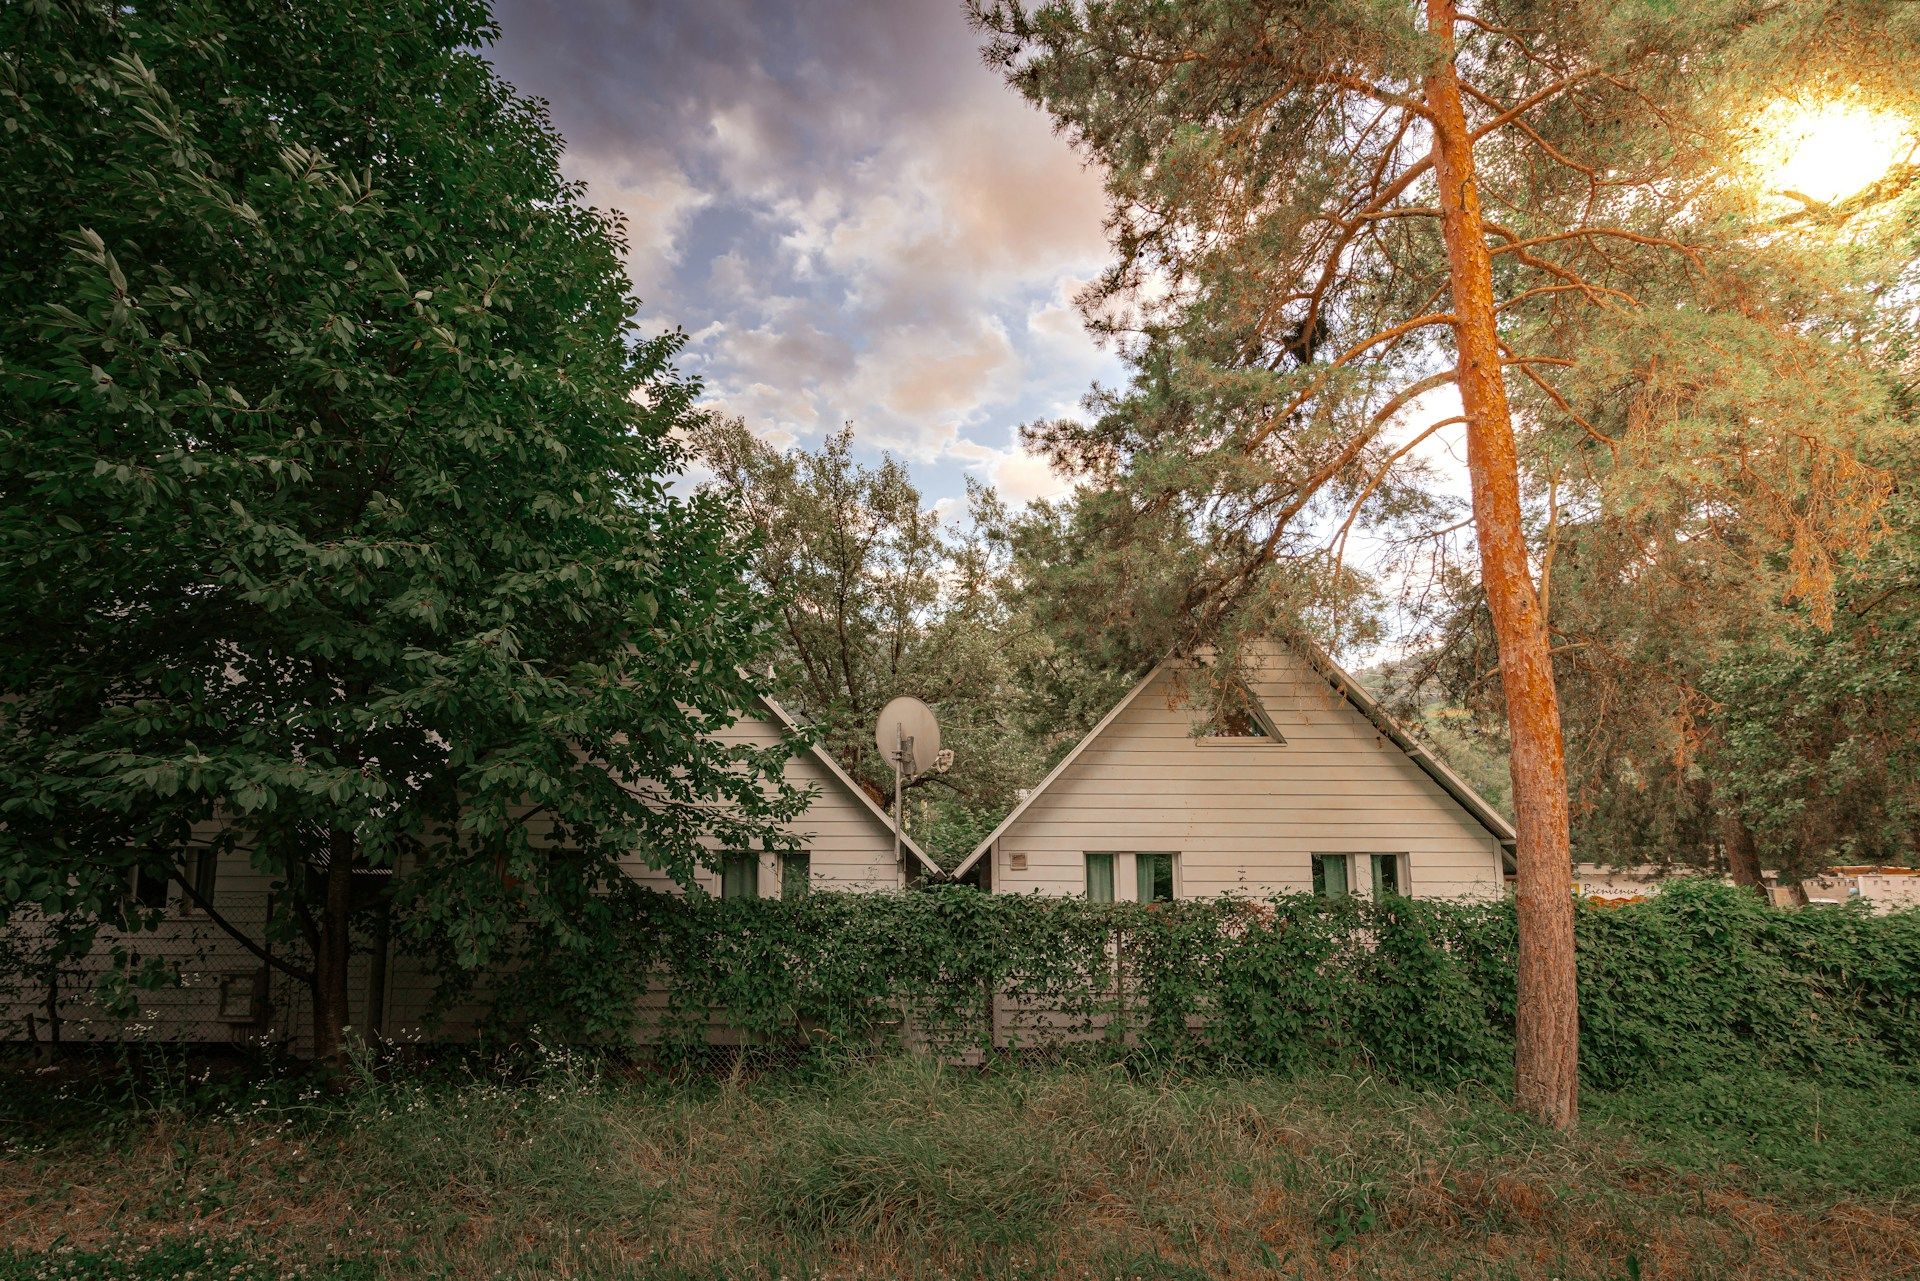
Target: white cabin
{"points": [[229, 994], [1313, 788]]}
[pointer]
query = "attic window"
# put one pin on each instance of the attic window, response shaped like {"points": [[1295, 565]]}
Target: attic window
{"points": [[1240, 717]]}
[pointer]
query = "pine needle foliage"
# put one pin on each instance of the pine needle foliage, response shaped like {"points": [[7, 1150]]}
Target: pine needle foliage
{"points": [[1678, 339]]}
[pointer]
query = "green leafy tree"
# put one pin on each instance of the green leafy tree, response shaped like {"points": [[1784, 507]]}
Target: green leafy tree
{"points": [[1713, 720], [333, 519], [1325, 212], [1816, 731], [878, 597], [1637, 617]]}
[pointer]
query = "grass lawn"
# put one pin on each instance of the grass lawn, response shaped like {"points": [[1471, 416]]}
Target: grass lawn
{"points": [[899, 1168]]}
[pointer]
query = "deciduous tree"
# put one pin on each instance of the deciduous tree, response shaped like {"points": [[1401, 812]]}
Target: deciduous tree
{"points": [[334, 525], [879, 596]]}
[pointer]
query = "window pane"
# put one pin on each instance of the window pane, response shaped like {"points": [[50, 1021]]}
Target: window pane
{"points": [[1236, 722], [1099, 878], [740, 876], [1238, 715], [1386, 874], [205, 868], [1330, 875], [796, 875], [149, 889], [1155, 877]]}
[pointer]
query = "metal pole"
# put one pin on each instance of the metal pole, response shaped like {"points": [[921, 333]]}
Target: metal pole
{"points": [[903, 746]]}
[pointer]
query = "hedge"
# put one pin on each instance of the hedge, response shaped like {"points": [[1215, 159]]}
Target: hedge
{"points": [[1701, 978]]}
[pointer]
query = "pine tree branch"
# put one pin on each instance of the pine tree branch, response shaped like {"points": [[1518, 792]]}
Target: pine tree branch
{"points": [[1533, 135], [1352, 353], [1353, 512], [1535, 99], [1566, 408], [1516, 244]]}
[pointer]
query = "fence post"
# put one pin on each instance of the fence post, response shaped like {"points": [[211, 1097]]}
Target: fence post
{"points": [[993, 1014]]}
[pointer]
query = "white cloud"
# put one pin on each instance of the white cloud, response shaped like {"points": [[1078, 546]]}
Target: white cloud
{"points": [[776, 415], [922, 372], [860, 220], [656, 198], [1019, 475]]}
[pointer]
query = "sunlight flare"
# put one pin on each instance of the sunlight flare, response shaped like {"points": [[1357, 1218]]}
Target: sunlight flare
{"points": [[1824, 152]]}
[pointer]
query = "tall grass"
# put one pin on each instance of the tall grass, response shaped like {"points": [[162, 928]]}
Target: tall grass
{"points": [[899, 1167]]}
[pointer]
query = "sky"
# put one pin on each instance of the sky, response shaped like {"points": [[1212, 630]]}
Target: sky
{"points": [[850, 215]]}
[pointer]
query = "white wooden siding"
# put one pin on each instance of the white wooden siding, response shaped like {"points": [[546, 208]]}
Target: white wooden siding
{"points": [[850, 848], [1245, 816]]}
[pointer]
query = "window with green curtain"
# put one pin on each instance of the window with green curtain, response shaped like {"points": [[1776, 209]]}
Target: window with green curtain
{"points": [[740, 875], [1330, 875], [796, 874], [1156, 877], [1099, 878], [1386, 874]]}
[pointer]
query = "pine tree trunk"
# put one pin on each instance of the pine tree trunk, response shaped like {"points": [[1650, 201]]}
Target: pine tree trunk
{"points": [[335, 951], [1743, 860], [1546, 1033]]}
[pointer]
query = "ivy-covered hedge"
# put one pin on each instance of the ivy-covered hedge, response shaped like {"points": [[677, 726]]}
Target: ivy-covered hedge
{"points": [[1702, 977]]}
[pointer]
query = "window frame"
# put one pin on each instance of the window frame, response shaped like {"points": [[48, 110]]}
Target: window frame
{"points": [[138, 876], [1317, 865], [241, 997], [1264, 733], [206, 874], [796, 870], [1359, 870], [1401, 874], [1142, 860]]}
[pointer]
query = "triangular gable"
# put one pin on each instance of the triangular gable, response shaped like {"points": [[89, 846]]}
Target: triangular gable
{"points": [[980, 850], [1436, 769], [1449, 782], [825, 758]]}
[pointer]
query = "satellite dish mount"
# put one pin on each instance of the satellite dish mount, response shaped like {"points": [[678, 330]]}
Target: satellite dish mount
{"points": [[909, 736]]}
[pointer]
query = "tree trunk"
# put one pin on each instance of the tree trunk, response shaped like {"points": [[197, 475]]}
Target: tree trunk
{"points": [[1743, 860], [1546, 1033], [334, 953]]}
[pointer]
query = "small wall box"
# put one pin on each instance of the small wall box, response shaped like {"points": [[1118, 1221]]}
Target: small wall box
{"points": [[242, 997]]}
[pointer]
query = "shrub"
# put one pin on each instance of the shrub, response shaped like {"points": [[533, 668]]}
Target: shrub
{"points": [[1700, 979]]}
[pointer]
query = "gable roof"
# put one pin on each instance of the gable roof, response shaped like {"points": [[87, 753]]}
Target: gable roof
{"points": [[819, 753], [1348, 688]]}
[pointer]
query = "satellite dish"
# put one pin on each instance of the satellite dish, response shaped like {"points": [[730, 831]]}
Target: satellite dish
{"points": [[908, 735]]}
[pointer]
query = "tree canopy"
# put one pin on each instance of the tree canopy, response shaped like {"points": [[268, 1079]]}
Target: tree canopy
{"points": [[1323, 214], [879, 596], [334, 519]]}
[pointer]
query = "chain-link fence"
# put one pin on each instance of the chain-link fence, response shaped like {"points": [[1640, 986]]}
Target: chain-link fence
{"points": [[186, 980]]}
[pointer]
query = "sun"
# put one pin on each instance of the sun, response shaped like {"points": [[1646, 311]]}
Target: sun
{"points": [[1827, 151]]}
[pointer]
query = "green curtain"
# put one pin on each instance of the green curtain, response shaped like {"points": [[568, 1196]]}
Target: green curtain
{"points": [[740, 875], [1099, 878]]}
